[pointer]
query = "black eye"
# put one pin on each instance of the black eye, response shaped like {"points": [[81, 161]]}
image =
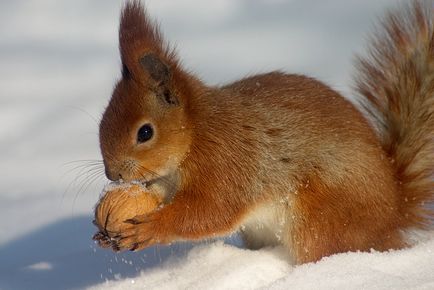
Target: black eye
{"points": [[145, 133]]}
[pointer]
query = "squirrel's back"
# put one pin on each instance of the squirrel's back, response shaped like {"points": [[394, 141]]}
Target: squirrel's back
{"points": [[294, 119]]}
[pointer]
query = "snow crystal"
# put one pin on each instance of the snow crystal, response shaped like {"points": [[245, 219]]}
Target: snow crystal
{"points": [[41, 266]]}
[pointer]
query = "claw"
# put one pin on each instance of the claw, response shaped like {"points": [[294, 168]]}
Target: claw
{"points": [[115, 248], [132, 221], [116, 237], [98, 236], [104, 244], [134, 247]]}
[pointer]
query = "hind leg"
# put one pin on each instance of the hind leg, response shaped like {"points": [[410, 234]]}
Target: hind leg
{"points": [[333, 220]]}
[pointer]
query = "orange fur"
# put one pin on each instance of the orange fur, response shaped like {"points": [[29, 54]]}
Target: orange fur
{"points": [[276, 151], [397, 88]]}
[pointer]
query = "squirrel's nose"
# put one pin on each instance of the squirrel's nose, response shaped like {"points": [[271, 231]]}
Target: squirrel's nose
{"points": [[122, 170], [111, 175], [117, 175]]}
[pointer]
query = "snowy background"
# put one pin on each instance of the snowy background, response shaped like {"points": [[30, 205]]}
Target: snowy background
{"points": [[58, 64]]}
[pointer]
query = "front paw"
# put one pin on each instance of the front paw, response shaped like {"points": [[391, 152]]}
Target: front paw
{"points": [[138, 233], [102, 239]]}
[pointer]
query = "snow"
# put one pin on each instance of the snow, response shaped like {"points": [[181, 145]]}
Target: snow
{"points": [[58, 65], [221, 266], [41, 266]]}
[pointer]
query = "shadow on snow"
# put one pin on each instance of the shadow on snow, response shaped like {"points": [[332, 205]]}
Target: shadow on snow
{"points": [[63, 256]]}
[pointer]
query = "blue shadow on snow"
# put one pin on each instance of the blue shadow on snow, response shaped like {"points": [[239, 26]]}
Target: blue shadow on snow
{"points": [[63, 256]]}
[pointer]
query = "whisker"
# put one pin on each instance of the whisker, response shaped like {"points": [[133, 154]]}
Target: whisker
{"points": [[90, 179], [95, 178], [86, 113], [90, 174], [83, 170], [82, 164], [87, 171], [82, 161], [81, 167]]}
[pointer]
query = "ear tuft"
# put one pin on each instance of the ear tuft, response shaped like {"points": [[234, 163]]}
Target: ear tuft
{"points": [[136, 29], [139, 39]]}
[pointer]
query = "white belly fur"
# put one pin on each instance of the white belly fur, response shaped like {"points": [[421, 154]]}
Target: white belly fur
{"points": [[265, 226]]}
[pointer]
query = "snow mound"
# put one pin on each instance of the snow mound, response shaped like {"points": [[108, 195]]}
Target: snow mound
{"points": [[221, 266]]}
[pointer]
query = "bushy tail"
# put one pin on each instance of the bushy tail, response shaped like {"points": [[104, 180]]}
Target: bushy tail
{"points": [[396, 83]]}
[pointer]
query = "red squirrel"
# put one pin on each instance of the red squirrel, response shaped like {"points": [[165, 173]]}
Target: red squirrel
{"points": [[282, 158]]}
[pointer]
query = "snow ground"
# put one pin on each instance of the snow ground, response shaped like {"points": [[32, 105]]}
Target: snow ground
{"points": [[58, 64]]}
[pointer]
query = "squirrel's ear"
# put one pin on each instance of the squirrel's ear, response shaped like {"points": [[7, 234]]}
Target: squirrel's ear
{"points": [[145, 55], [161, 75], [156, 68], [148, 59]]}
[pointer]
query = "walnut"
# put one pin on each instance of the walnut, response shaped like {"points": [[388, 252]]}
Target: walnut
{"points": [[120, 203]]}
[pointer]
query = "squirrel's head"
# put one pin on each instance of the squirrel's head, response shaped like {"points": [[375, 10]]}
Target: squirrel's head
{"points": [[145, 131]]}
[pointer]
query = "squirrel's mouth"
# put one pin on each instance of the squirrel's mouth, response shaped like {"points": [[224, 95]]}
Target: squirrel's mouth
{"points": [[149, 182], [141, 182]]}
